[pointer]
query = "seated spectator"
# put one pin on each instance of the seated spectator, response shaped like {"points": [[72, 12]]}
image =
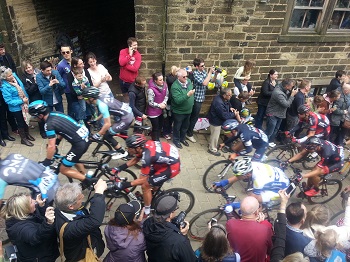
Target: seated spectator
{"points": [[220, 111], [79, 222], [250, 239], [137, 99], [215, 247], [238, 102], [30, 228], [243, 73], [164, 240], [124, 237], [295, 240]]}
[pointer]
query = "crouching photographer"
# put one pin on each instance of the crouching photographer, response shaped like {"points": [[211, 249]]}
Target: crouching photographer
{"points": [[166, 241], [78, 228]]}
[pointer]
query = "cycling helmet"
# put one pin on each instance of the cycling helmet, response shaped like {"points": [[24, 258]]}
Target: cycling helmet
{"points": [[38, 107], [243, 166], [312, 143], [91, 92], [229, 125], [244, 112], [136, 140], [303, 109]]}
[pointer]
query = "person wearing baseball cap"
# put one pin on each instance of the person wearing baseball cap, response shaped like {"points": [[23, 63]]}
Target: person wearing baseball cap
{"points": [[164, 240], [124, 237]]}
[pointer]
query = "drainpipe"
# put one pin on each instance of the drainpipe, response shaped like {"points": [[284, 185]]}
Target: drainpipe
{"points": [[164, 33]]}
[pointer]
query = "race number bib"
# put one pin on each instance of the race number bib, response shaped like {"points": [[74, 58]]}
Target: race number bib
{"points": [[83, 132]]}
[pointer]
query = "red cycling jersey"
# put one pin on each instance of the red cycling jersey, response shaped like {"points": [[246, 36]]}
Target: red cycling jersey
{"points": [[318, 123]]}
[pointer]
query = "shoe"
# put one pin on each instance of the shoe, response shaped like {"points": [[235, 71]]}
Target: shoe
{"points": [[185, 143], [29, 137], [120, 153], [226, 149], [178, 145], [9, 138], [191, 138], [312, 192], [214, 153], [2, 142], [167, 137], [272, 144]]}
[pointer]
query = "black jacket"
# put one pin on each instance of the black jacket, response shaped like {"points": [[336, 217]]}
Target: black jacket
{"points": [[333, 85], [7, 61], [31, 87], [279, 238], [265, 92], [165, 243], [137, 97], [76, 232], [35, 239]]}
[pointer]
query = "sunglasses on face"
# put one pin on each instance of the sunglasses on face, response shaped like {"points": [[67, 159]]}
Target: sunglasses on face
{"points": [[184, 77], [202, 66], [65, 52]]}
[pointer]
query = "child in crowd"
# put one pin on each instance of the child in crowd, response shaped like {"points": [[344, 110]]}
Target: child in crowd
{"points": [[79, 83]]}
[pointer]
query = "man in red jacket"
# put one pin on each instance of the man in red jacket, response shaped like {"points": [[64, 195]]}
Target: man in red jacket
{"points": [[130, 62]]}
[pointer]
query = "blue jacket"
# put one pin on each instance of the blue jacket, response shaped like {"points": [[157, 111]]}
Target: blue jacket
{"points": [[64, 69], [47, 91], [295, 241], [219, 111], [10, 94]]}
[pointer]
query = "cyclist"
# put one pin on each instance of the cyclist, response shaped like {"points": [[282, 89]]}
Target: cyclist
{"points": [[267, 180], [318, 124], [332, 159], [160, 162], [17, 170], [251, 137], [58, 126], [107, 106]]}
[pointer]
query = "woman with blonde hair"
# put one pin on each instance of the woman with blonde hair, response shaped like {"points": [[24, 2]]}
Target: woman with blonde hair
{"points": [[30, 228], [243, 73]]}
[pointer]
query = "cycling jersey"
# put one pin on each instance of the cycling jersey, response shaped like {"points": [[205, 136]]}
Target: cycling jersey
{"points": [[332, 157], [160, 161], [318, 123], [251, 137], [17, 170]]}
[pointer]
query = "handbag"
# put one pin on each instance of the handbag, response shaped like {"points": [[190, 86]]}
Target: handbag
{"points": [[346, 124], [90, 255]]}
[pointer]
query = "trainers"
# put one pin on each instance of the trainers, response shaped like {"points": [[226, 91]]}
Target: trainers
{"points": [[120, 153], [191, 138], [272, 144], [167, 137], [312, 192], [215, 153]]}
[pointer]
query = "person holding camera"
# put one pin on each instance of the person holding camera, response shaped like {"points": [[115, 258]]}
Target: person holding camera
{"points": [[51, 86], [79, 223], [166, 233]]}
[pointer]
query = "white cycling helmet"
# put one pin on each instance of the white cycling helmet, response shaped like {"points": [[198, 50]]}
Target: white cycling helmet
{"points": [[243, 166]]}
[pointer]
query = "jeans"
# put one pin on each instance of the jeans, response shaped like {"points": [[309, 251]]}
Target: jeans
{"points": [[194, 117], [181, 123], [157, 124], [337, 135], [79, 109], [168, 123], [260, 116], [272, 126], [69, 105], [58, 107]]}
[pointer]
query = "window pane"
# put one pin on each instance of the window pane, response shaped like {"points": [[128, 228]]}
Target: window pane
{"points": [[342, 4], [340, 20], [318, 3], [304, 18]]}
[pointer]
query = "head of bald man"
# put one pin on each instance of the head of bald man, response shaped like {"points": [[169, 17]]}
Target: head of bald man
{"points": [[249, 206]]}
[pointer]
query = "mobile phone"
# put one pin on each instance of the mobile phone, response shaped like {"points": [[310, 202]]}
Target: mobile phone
{"points": [[290, 189], [213, 221], [52, 77]]}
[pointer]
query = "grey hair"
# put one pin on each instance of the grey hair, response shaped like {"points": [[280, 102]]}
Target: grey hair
{"points": [[4, 72], [180, 72], [67, 195]]}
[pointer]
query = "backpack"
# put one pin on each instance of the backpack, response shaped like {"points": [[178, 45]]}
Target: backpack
{"points": [[202, 123]]}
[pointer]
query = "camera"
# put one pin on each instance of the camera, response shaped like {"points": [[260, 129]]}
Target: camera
{"points": [[179, 220], [218, 69], [52, 77]]}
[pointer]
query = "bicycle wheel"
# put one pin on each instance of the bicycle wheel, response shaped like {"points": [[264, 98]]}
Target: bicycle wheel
{"points": [[329, 189], [309, 162], [337, 217], [199, 223], [187, 199], [112, 205], [282, 153], [216, 172], [124, 174], [92, 154]]}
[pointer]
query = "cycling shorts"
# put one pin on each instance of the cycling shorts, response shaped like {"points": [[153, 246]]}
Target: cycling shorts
{"points": [[163, 173], [267, 196], [75, 153]]}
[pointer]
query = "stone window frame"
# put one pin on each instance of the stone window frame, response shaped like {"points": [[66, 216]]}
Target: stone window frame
{"points": [[320, 33]]}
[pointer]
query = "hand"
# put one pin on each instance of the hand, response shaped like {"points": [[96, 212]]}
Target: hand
{"points": [[50, 215], [284, 164], [294, 92], [100, 186], [162, 106], [103, 79], [83, 85], [46, 162], [287, 134], [211, 70], [232, 156], [190, 93], [40, 201], [294, 140], [185, 229], [298, 178], [260, 217], [123, 185], [97, 136], [247, 78], [25, 100], [131, 51], [222, 183], [283, 196], [142, 213], [87, 182], [144, 116], [221, 146]]}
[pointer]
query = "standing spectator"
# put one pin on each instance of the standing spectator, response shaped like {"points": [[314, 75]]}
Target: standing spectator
{"points": [[242, 73], [299, 99], [250, 239], [31, 228], [238, 102], [181, 103], [336, 82], [99, 75], [157, 94], [130, 62], [281, 98], [64, 68], [124, 236], [328, 103], [200, 81], [295, 240], [164, 240], [17, 100], [51, 86], [6, 59], [137, 98], [4, 115], [264, 97], [80, 223], [168, 121], [220, 111]]}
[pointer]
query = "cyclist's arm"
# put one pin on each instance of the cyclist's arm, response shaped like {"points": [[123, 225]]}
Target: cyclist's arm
{"points": [[303, 139], [133, 161], [296, 128], [230, 140], [298, 156], [51, 148], [103, 108], [106, 126]]}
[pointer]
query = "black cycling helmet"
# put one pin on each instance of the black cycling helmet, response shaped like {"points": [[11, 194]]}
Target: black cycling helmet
{"points": [[229, 125], [91, 92], [38, 107], [303, 109], [136, 140], [312, 143]]}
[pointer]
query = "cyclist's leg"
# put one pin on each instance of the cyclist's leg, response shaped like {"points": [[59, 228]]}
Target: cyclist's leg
{"points": [[119, 126], [238, 146], [313, 177], [260, 150]]}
